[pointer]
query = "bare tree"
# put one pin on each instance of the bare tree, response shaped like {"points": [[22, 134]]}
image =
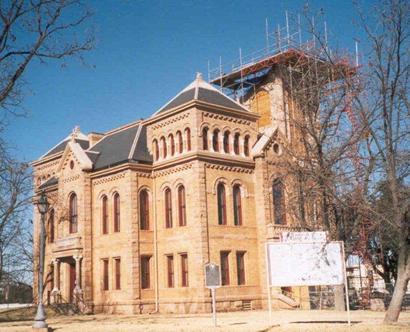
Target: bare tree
{"points": [[37, 29], [386, 109]]}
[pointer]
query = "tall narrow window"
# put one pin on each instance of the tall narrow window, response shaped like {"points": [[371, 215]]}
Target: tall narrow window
{"points": [[156, 149], [215, 140], [171, 144], [221, 196], [170, 270], [73, 213], [180, 142], [184, 270], [163, 147], [205, 138], [188, 139], [144, 210], [105, 274], [117, 212], [237, 205], [226, 142], [104, 214], [145, 272], [51, 230], [117, 273], [181, 206], [246, 146], [236, 143], [168, 208], [279, 207], [225, 268], [240, 267]]}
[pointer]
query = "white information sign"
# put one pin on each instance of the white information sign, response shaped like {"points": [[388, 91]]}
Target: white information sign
{"points": [[305, 264]]}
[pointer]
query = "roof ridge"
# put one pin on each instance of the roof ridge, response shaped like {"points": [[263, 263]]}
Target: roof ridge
{"points": [[123, 127], [134, 143]]}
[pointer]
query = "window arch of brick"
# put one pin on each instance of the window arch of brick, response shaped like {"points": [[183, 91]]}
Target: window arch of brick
{"points": [[104, 214], [73, 213], [180, 142], [205, 138], [236, 143], [188, 138], [144, 209], [246, 145], [215, 140], [171, 144], [227, 134], [181, 206], [163, 147], [156, 149], [117, 212], [51, 226], [237, 205], [278, 198], [221, 201], [168, 207]]}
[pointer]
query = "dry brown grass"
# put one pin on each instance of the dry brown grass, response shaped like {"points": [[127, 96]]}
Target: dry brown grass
{"points": [[233, 321]]}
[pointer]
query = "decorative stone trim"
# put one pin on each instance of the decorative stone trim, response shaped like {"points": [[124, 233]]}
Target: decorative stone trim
{"points": [[226, 118], [71, 178], [229, 168], [172, 170], [171, 120], [108, 179]]}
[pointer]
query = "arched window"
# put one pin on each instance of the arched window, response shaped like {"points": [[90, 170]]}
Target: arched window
{"points": [[164, 147], [156, 149], [180, 142], [279, 208], [116, 212], [171, 144], [73, 213], [246, 145], [205, 138], [188, 138], [51, 230], [168, 208], [237, 205], [215, 140], [181, 206], [144, 210], [226, 141], [236, 143], [104, 216], [221, 196]]}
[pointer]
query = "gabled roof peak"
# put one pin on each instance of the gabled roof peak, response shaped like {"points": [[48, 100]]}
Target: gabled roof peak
{"points": [[201, 90]]}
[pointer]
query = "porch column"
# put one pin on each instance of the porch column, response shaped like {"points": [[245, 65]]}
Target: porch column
{"points": [[77, 288], [56, 277]]}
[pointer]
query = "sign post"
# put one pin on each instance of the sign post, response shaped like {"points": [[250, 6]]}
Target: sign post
{"points": [[212, 281]]}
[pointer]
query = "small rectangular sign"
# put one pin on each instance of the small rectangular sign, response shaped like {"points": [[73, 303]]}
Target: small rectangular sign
{"points": [[303, 237], [212, 276]]}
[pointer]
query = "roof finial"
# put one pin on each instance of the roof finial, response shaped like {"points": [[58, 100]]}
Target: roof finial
{"points": [[199, 76], [75, 132]]}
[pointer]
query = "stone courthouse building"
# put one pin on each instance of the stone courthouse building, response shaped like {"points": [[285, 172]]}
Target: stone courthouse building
{"points": [[138, 211]]}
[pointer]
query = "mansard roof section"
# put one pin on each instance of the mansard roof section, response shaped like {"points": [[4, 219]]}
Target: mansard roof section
{"points": [[125, 145], [199, 90], [76, 135]]}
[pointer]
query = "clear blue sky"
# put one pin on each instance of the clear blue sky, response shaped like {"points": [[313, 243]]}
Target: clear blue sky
{"points": [[146, 52]]}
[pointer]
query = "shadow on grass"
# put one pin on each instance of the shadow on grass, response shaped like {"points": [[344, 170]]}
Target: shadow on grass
{"points": [[27, 314], [325, 322]]}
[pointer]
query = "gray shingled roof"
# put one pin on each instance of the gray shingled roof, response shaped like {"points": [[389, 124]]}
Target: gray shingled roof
{"points": [[202, 91], [60, 147], [115, 148], [50, 182]]}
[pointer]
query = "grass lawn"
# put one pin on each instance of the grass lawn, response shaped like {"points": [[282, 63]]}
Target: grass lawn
{"points": [[20, 320]]}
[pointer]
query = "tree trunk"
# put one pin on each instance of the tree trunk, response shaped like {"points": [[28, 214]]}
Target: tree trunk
{"points": [[400, 286], [339, 298]]}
